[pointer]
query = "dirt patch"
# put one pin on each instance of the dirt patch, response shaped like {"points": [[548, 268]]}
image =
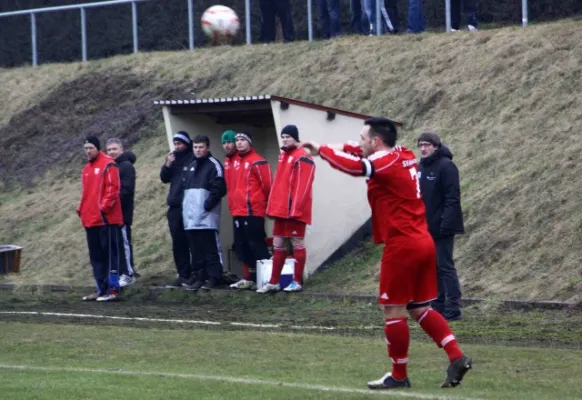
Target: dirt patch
{"points": [[50, 134]]}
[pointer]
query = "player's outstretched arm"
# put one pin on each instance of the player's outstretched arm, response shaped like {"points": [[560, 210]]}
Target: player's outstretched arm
{"points": [[348, 163]]}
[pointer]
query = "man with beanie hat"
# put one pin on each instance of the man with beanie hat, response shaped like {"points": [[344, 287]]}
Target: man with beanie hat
{"points": [[101, 216], [290, 205], [408, 281], [172, 173], [248, 192], [439, 184]]}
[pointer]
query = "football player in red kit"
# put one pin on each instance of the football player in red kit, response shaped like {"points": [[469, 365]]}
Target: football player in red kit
{"points": [[290, 205], [408, 269]]}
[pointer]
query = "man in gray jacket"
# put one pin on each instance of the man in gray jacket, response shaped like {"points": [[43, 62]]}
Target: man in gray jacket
{"points": [[204, 188]]}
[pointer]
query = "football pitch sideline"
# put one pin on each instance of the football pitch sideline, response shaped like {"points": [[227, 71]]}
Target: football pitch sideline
{"points": [[72, 361]]}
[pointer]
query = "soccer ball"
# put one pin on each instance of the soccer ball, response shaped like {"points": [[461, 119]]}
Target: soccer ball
{"points": [[220, 22]]}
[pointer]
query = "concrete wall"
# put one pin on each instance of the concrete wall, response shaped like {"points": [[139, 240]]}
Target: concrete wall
{"points": [[340, 205]]}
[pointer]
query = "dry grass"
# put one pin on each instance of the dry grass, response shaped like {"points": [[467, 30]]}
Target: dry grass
{"points": [[507, 102]]}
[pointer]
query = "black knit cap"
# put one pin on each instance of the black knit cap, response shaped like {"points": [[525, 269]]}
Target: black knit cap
{"points": [[94, 140], [292, 131], [429, 137]]}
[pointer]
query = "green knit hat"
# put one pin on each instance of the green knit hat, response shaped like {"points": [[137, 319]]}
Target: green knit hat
{"points": [[228, 136]]}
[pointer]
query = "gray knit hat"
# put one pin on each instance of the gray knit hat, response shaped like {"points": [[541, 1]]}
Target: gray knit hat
{"points": [[429, 137]]}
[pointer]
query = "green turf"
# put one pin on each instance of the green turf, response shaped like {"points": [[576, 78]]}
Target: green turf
{"points": [[331, 360]]}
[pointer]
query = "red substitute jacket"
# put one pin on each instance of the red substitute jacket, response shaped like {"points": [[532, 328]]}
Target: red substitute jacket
{"points": [[393, 189], [250, 186], [100, 203], [291, 194], [229, 177]]}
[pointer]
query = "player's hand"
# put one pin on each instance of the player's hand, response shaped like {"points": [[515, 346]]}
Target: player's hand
{"points": [[171, 159], [311, 146]]}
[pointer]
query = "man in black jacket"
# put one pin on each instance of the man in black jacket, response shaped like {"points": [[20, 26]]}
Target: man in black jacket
{"points": [[173, 173], [125, 161], [439, 184], [204, 188]]}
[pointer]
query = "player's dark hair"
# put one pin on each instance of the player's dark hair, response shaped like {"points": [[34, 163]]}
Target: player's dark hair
{"points": [[202, 139], [384, 129]]}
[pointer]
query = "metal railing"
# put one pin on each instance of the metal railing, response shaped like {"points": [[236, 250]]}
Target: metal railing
{"points": [[134, 18]]}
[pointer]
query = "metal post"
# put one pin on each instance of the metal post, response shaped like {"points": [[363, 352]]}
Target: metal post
{"points": [[378, 18], [448, 14], [248, 20], [524, 19], [33, 38], [190, 25], [83, 35], [309, 21], [134, 24]]}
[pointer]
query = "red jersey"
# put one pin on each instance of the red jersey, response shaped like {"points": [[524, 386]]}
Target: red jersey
{"points": [[229, 177], [291, 195], [249, 186], [393, 189], [100, 203]]}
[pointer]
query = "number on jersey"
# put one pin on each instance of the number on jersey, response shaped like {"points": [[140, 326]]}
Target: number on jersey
{"points": [[414, 176]]}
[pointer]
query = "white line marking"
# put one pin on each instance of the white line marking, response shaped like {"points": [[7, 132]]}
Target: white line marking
{"points": [[184, 321], [231, 379]]}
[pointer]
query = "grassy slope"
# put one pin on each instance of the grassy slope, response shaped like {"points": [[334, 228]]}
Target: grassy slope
{"points": [[506, 101]]}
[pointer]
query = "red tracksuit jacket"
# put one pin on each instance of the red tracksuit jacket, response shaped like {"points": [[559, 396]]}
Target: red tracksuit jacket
{"points": [[250, 185], [100, 203], [291, 194], [393, 189]]}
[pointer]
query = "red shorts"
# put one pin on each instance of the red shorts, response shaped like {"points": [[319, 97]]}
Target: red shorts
{"points": [[408, 272], [289, 228]]}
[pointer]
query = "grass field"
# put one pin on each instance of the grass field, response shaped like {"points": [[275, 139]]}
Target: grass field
{"points": [[93, 362]]}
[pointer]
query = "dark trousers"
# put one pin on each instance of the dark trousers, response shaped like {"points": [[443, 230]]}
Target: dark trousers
{"points": [[206, 254], [276, 8], [105, 256], [449, 288], [126, 267], [249, 242], [180, 247], [358, 19], [469, 9], [329, 17]]}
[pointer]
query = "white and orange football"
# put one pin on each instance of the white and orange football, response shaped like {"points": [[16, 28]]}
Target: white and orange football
{"points": [[220, 22]]}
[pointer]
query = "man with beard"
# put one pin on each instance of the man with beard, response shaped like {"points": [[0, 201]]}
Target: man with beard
{"points": [[408, 267], [173, 173]]}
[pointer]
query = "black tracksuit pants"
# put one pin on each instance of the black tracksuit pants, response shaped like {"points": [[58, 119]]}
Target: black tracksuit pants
{"points": [[206, 254], [249, 242], [269, 10], [105, 256], [180, 247]]}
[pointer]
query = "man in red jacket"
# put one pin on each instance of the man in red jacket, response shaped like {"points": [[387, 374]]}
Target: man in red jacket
{"points": [[290, 205], [408, 280], [100, 212], [248, 192]]}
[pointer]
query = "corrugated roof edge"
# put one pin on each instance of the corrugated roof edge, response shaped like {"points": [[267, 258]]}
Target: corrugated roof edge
{"points": [[267, 97]]}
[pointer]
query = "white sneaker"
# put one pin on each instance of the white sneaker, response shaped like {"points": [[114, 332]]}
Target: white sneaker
{"points": [[111, 296], [472, 28], [293, 287], [126, 280], [242, 284], [268, 288]]}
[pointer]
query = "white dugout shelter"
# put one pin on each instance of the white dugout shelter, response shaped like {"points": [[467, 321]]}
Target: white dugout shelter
{"points": [[340, 205]]}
